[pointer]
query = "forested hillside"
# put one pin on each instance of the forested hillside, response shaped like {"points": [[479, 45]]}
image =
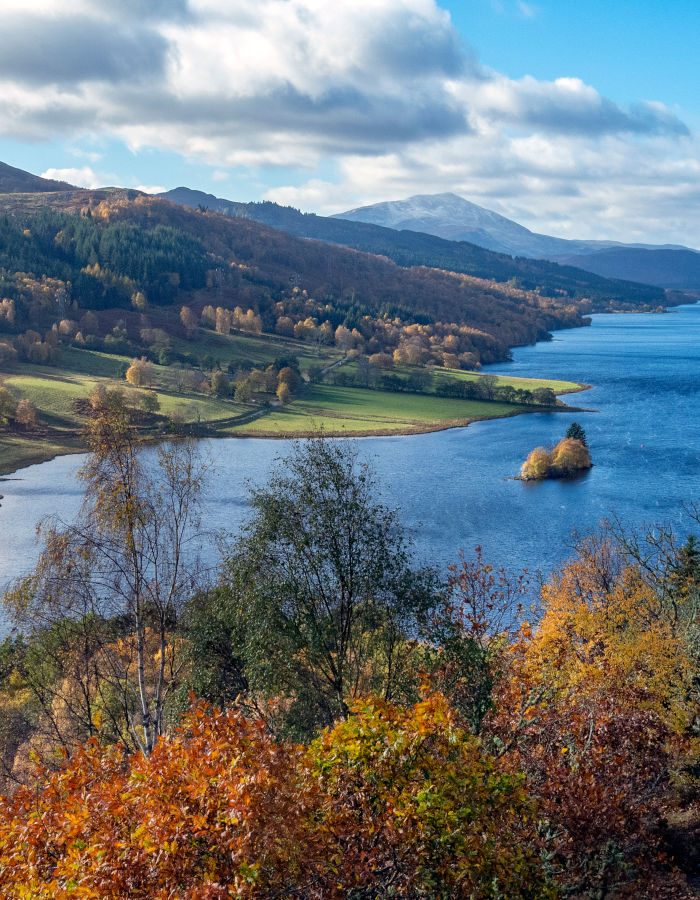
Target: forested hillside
{"points": [[411, 248], [106, 250], [211, 323], [674, 269]]}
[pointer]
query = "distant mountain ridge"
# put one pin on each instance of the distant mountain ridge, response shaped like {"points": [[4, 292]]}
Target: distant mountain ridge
{"points": [[410, 248], [452, 217], [17, 181], [676, 270]]}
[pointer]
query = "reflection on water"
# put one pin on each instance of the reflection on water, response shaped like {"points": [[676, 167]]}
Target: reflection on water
{"points": [[453, 487]]}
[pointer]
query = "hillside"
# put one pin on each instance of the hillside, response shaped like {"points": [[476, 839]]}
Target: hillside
{"points": [[410, 248], [672, 269], [16, 180], [258, 265]]}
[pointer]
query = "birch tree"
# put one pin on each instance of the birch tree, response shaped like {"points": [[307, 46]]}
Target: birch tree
{"points": [[123, 570]]}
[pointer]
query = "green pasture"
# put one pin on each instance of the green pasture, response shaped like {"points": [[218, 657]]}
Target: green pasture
{"points": [[17, 451], [343, 409], [528, 384], [257, 350]]}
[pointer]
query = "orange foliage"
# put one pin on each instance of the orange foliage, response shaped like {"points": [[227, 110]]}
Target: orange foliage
{"points": [[214, 812]]}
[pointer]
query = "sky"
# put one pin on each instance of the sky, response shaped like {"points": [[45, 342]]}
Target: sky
{"points": [[577, 119]]}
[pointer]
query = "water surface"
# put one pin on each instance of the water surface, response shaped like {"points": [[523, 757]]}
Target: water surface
{"points": [[452, 486]]}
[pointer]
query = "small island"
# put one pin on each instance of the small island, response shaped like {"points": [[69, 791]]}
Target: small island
{"points": [[569, 457]]}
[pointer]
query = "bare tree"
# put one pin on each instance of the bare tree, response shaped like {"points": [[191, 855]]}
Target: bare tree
{"points": [[122, 572]]}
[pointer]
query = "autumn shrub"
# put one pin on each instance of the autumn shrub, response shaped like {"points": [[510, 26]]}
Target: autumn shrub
{"points": [[536, 465], [566, 458], [415, 808], [218, 810], [595, 709], [569, 456], [391, 802]]}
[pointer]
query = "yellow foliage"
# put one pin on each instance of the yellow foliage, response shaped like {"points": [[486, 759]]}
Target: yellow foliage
{"points": [[536, 464], [608, 630], [567, 457]]}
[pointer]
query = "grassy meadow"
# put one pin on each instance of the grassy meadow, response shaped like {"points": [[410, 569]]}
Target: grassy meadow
{"points": [[355, 411], [56, 391]]}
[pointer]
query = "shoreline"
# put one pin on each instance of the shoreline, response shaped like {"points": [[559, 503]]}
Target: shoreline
{"points": [[37, 458]]}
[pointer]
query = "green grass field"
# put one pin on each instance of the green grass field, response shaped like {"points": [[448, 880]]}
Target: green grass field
{"points": [[440, 374], [339, 410], [528, 384], [54, 390], [255, 350], [336, 410]]}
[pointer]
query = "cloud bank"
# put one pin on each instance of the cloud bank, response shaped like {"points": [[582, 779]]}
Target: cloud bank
{"points": [[383, 92]]}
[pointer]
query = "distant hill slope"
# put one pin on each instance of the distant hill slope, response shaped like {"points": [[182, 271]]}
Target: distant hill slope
{"points": [[410, 248], [18, 181], [452, 217], [104, 246], [674, 269]]}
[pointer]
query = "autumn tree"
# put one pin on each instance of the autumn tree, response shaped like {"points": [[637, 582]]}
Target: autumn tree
{"points": [[320, 589], [391, 802], [218, 807], [289, 376], [8, 404], [595, 704], [127, 557], [570, 456], [140, 373], [536, 465], [223, 320], [284, 395], [25, 414], [139, 301], [209, 316], [188, 319], [566, 458], [415, 808]]}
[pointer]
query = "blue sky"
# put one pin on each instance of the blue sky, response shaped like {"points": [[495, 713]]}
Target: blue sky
{"points": [[576, 119], [627, 49]]}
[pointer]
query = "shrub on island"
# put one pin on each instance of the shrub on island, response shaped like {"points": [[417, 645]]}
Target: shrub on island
{"points": [[568, 457]]}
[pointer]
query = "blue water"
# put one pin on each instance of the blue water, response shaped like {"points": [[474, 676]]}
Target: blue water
{"points": [[452, 487]]}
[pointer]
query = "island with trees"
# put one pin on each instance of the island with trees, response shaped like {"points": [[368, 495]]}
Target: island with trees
{"points": [[569, 457]]}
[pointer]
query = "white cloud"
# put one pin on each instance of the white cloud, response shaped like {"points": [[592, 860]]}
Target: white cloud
{"points": [[84, 177], [91, 155], [151, 188]]}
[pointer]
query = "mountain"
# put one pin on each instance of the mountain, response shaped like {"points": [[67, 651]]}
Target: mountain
{"points": [[14, 181], [674, 269], [410, 248], [454, 218]]}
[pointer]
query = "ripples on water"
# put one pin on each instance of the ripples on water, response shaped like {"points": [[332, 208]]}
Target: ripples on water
{"points": [[451, 486]]}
